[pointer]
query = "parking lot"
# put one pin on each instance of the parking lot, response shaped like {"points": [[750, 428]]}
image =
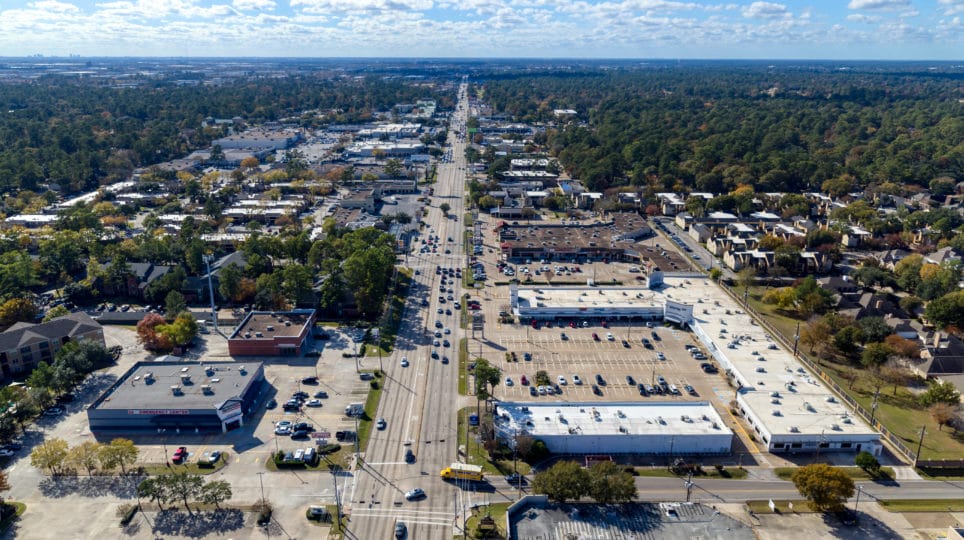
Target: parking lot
{"points": [[583, 355], [621, 522]]}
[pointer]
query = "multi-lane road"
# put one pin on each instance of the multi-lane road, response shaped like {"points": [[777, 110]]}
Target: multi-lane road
{"points": [[420, 402]]}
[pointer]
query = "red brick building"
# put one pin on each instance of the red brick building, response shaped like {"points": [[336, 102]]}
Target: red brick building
{"points": [[273, 333]]}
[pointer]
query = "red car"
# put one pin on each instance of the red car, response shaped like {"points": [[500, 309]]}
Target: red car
{"points": [[180, 454], [605, 324], [595, 336], [572, 324], [523, 381], [534, 323]]}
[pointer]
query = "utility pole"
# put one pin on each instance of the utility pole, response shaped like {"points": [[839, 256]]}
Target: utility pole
{"points": [[920, 444], [214, 314], [334, 477], [873, 408], [261, 481]]}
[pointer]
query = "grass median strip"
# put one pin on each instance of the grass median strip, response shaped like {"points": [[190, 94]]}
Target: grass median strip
{"points": [[886, 473], [923, 505]]}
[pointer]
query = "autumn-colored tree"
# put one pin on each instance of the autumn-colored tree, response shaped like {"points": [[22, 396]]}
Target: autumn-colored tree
{"points": [[902, 346], [17, 310], [250, 162], [148, 335], [825, 486], [942, 413]]}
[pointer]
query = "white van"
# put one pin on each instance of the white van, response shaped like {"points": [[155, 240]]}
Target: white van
{"points": [[309, 456]]}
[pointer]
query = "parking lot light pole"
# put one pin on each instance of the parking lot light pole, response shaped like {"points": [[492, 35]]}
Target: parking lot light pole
{"points": [[261, 481]]}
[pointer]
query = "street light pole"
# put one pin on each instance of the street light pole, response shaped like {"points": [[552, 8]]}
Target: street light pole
{"points": [[856, 515], [796, 340]]}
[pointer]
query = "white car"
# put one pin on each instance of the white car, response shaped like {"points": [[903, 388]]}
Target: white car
{"points": [[314, 403], [576, 379], [508, 381], [610, 336], [404, 361], [660, 356], [561, 380]]}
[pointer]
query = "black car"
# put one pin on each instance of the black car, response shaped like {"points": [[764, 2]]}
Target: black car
{"points": [[302, 426], [300, 395], [291, 406], [309, 380], [596, 390], [271, 404], [533, 391], [642, 389], [630, 381], [409, 456], [299, 434], [515, 479], [599, 380], [556, 389], [656, 336]]}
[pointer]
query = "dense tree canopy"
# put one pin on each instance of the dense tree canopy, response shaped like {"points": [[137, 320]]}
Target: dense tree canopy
{"points": [[714, 127]]}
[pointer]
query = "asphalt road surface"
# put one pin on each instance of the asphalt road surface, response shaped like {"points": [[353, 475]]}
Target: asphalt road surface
{"points": [[420, 402]]}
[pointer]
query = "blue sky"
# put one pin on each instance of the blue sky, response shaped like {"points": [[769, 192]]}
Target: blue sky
{"points": [[823, 29]]}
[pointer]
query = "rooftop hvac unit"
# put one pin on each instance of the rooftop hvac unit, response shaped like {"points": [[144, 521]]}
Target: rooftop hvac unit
{"points": [[185, 378], [215, 380], [847, 420], [287, 323], [269, 328], [242, 370], [794, 429], [176, 390], [835, 427], [258, 334], [148, 376], [184, 370], [206, 389], [776, 412]]}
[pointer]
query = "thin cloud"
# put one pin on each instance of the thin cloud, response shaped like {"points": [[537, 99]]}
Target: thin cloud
{"points": [[765, 10], [878, 4]]}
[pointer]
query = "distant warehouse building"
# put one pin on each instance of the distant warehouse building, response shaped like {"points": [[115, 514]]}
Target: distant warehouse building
{"points": [[177, 397], [273, 333], [669, 428]]}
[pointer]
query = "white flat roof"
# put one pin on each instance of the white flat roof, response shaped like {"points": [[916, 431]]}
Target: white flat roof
{"points": [[632, 418], [720, 320]]}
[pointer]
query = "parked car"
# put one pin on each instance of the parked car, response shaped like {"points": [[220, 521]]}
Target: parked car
{"points": [[314, 402], [413, 494], [381, 424], [179, 455], [576, 380]]}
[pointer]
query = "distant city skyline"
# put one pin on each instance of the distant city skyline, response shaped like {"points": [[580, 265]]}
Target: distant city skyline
{"points": [[821, 29]]}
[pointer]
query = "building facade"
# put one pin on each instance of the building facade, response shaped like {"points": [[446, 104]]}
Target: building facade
{"points": [[23, 345], [174, 398], [280, 333]]}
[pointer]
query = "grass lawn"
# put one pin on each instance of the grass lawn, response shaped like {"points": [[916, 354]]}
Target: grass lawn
{"points": [[336, 532], [708, 472], [189, 468], [20, 509], [467, 220], [783, 507], [900, 414], [477, 455], [367, 421], [886, 473], [923, 505], [497, 512], [389, 326], [337, 460], [463, 366]]}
